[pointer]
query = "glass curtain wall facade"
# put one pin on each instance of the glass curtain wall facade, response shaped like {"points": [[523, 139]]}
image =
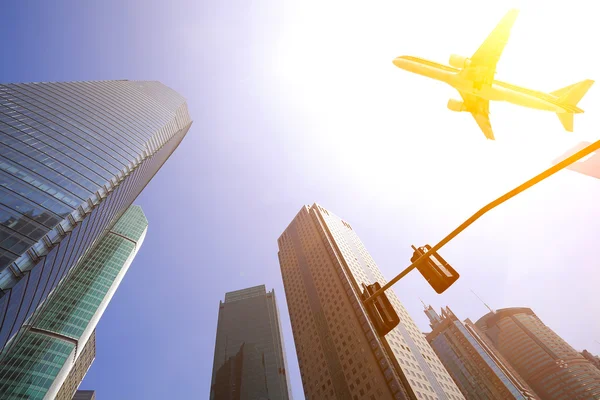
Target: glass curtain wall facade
{"points": [[243, 376], [477, 369], [73, 157], [249, 358], [54, 341], [554, 369], [341, 355]]}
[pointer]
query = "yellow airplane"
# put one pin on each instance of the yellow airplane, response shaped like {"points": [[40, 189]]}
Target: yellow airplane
{"points": [[474, 79]]}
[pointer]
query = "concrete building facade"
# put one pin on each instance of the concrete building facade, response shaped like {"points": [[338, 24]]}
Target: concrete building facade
{"points": [[50, 354], [79, 370], [341, 355], [551, 367], [595, 360], [477, 368]]}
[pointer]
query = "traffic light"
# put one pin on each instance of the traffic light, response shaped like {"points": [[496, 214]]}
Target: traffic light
{"points": [[436, 271], [380, 310]]}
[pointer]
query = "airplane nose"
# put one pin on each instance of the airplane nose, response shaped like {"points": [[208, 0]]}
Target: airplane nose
{"points": [[400, 62]]}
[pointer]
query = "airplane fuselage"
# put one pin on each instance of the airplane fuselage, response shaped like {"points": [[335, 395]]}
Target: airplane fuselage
{"points": [[496, 91]]}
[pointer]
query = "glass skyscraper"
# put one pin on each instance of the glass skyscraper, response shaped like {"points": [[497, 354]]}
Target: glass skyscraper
{"points": [[52, 352], [340, 353], [73, 157], [478, 370], [249, 361]]}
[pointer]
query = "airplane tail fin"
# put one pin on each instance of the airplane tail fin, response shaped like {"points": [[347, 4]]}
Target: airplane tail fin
{"points": [[570, 96]]}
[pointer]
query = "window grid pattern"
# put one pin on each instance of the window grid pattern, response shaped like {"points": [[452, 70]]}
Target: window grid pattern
{"points": [[479, 371], [29, 370], [546, 362], [76, 300], [361, 370], [64, 147], [61, 321], [423, 369], [43, 177], [248, 328]]}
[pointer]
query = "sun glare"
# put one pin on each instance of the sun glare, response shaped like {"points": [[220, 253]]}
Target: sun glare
{"points": [[334, 63]]}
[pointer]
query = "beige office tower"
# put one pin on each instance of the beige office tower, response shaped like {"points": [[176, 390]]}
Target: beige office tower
{"points": [[341, 356]]}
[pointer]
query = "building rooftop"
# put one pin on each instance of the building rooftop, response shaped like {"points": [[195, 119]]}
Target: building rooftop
{"points": [[245, 293]]}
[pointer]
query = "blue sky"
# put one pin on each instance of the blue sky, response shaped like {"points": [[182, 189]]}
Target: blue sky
{"points": [[297, 102]]}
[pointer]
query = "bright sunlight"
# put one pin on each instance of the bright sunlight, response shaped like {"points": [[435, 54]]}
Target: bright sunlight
{"points": [[381, 123]]}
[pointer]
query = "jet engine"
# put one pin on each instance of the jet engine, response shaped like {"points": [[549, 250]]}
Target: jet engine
{"points": [[459, 61], [456, 105]]}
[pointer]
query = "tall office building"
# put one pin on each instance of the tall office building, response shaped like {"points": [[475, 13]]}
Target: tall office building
{"points": [[479, 370], [544, 360], [73, 157], [52, 352], [249, 358], [341, 355]]}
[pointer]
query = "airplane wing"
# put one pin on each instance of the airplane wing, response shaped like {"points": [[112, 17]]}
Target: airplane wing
{"points": [[483, 63], [480, 110]]}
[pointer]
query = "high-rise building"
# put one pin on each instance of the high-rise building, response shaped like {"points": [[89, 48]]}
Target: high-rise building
{"points": [[85, 395], [595, 360], [51, 353], [73, 157], [479, 370], [341, 356], [551, 367], [249, 358]]}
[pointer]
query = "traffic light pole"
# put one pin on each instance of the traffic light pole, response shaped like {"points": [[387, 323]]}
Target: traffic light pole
{"points": [[536, 179]]}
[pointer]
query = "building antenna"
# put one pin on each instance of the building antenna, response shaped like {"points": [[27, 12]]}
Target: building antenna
{"points": [[488, 307], [422, 302]]}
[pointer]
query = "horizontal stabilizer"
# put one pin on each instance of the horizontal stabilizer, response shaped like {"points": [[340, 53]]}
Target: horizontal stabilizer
{"points": [[572, 94], [566, 119]]}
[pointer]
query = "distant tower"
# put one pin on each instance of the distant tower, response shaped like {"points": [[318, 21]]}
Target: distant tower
{"points": [[554, 369], [478, 370], [249, 361], [341, 355]]}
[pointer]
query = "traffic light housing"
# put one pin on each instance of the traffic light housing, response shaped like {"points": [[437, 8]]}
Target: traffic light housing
{"points": [[380, 310], [436, 271]]}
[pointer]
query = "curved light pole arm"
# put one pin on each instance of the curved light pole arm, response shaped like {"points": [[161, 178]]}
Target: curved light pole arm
{"points": [[536, 179]]}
